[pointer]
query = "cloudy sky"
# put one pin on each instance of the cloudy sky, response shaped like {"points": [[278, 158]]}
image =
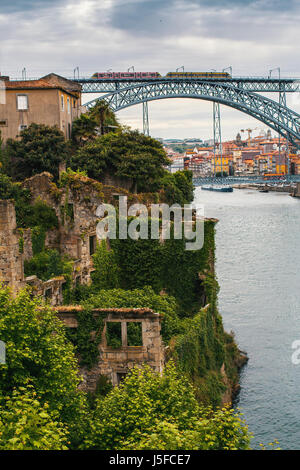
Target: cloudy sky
{"points": [[252, 36]]}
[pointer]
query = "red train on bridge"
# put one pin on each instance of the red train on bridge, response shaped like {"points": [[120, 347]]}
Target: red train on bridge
{"points": [[125, 75], [155, 75]]}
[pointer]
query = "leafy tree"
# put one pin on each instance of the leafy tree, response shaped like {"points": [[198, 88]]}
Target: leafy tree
{"points": [[222, 429], [152, 411], [40, 148], [178, 187], [47, 264], [21, 197], [9, 189], [126, 154], [37, 351], [184, 182], [84, 128], [38, 214], [98, 120], [27, 424], [104, 117]]}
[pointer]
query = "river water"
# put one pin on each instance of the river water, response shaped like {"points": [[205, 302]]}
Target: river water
{"points": [[258, 269]]}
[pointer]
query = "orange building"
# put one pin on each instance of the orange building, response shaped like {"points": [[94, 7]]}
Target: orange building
{"points": [[51, 100]]}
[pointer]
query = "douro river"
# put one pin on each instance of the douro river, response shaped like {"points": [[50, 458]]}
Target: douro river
{"points": [[258, 269]]}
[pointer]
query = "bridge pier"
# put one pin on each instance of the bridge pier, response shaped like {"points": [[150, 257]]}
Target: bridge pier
{"points": [[145, 118], [282, 103], [217, 134]]}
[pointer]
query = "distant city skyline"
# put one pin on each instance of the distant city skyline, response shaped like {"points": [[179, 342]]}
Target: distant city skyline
{"points": [[252, 36]]}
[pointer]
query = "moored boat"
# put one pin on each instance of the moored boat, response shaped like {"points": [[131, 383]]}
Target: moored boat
{"points": [[222, 189]]}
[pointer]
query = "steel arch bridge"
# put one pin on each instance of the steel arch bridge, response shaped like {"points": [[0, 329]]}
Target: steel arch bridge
{"points": [[275, 115]]}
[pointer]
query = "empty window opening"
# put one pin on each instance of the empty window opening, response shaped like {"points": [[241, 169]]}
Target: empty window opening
{"points": [[48, 293], [93, 242], [3, 123], [71, 211], [134, 334], [120, 377], [113, 335]]}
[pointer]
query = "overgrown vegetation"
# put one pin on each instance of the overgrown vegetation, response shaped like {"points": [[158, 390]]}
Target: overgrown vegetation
{"points": [[200, 351], [81, 337], [107, 272], [42, 408], [177, 187], [39, 148], [28, 215], [148, 411], [198, 342], [97, 121], [169, 266], [125, 154], [37, 353], [47, 264], [28, 424], [40, 404]]}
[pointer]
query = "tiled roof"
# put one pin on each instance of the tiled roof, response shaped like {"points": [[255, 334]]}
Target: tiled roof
{"points": [[51, 81]]}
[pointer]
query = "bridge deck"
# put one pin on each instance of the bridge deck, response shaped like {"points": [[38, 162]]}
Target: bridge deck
{"points": [[255, 84], [260, 84]]}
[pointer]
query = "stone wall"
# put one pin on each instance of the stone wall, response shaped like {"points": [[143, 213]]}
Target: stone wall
{"points": [[75, 204], [51, 290], [112, 180], [27, 247], [11, 260], [115, 363]]}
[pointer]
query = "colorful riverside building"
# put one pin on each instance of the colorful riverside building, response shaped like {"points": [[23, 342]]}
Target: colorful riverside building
{"points": [[259, 156], [221, 164], [52, 100]]}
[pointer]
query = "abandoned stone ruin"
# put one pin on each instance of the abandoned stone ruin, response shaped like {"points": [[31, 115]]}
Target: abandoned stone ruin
{"points": [[75, 206], [75, 203], [115, 363]]}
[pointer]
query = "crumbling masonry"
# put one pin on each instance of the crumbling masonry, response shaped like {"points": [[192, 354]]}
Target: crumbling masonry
{"points": [[75, 205], [115, 363]]}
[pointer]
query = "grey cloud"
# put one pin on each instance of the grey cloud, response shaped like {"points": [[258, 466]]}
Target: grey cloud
{"points": [[272, 5], [148, 16], [26, 5], [157, 35], [231, 19]]}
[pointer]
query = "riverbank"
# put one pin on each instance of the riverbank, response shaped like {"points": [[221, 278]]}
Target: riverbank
{"points": [[257, 260], [282, 188]]}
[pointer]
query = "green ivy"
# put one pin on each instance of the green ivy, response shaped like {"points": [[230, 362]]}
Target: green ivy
{"points": [[87, 344], [171, 267], [38, 237], [47, 264], [106, 274], [21, 241]]}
